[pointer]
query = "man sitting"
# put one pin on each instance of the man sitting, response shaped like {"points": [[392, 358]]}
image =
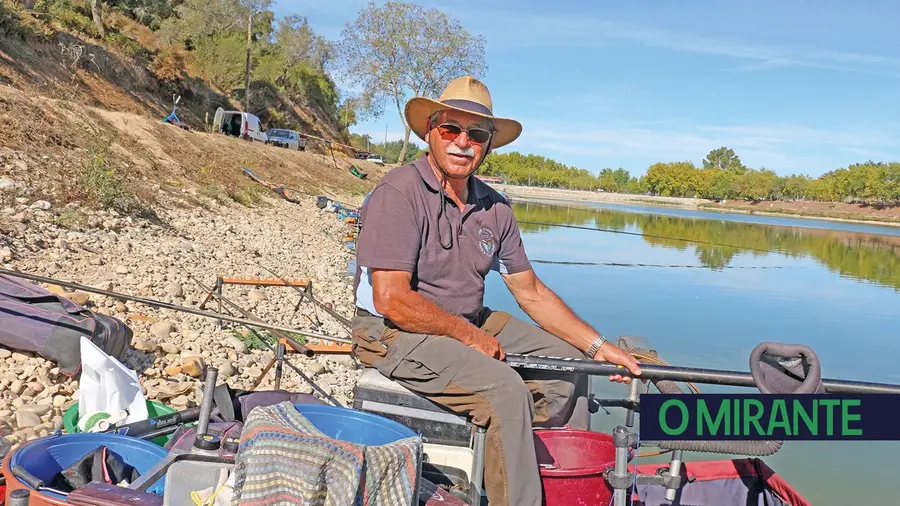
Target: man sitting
{"points": [[430, 234]]}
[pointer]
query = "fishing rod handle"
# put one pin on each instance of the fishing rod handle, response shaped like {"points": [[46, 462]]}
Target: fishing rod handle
{"points": [[137, 429], [206, 403]]}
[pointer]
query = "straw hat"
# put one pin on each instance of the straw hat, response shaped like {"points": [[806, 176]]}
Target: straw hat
{"points": [[465, 94]]}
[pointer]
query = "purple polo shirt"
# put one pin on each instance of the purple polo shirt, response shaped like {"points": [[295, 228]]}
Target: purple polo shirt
{"points": [[399, 223]]}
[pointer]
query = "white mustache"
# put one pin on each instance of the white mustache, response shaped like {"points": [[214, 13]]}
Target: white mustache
{"points": [[453, 149]]}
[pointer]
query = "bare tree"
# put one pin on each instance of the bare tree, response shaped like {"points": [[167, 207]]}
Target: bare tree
{"points": [[400, 50], [95, 12]]}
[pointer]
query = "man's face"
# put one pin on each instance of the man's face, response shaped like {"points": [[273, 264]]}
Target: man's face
{"points": [[458, 141]]}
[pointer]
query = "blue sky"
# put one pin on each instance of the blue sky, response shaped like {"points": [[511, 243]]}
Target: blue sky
{"points": [[796, 87]]}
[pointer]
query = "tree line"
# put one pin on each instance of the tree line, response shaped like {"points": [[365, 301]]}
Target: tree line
{"points": [[722, 176]]}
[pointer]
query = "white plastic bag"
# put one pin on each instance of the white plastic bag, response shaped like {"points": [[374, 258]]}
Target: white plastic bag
{"points": [[108, 386]]}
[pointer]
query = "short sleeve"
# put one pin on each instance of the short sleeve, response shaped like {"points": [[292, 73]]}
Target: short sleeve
{"points": [[511, 255], [390, 236]]}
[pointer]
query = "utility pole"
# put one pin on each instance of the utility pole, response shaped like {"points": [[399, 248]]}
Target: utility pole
{"points": [[247, 68]]}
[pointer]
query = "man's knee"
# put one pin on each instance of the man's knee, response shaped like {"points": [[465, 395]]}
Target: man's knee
{"points": [[509, 396]]}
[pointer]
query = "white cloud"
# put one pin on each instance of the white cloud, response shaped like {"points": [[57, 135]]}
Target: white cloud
{"points": [[548, 30]]}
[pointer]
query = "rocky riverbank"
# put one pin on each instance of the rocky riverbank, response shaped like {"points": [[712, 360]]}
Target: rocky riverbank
{"points": [[157, 260]]}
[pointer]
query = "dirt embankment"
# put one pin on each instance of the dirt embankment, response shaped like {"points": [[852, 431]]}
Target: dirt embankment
{"points": [[64, 150]]}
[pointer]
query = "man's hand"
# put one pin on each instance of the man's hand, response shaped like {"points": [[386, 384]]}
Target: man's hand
{"points": [[487, 344], [613, 354]]}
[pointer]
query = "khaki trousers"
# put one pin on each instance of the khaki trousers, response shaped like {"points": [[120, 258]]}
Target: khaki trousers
{"points": [[494, 395]]}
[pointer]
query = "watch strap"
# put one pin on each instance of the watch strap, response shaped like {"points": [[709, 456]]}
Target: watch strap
{"points": [[595, 347]]}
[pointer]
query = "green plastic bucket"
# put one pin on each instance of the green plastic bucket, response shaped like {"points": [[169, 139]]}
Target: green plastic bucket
{"points": [[154, 409]]}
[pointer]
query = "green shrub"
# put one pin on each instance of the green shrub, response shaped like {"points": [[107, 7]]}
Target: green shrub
{"points": [[101, 182], [73, 17], [127, 46]]}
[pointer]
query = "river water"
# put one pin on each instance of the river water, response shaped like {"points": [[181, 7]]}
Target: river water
{"points": [[743, 280]]}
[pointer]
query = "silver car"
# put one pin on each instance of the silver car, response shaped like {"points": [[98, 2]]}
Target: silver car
{"points": [[286, 139]]}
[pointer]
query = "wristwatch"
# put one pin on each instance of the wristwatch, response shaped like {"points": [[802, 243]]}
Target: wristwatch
{"points": [[595, 347]]}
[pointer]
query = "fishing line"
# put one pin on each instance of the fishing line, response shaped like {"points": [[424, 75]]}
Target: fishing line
{"points": [[640, 234], [665, 266]]}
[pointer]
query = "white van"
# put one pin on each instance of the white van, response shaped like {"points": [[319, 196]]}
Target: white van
{"points": [[239, 124]]}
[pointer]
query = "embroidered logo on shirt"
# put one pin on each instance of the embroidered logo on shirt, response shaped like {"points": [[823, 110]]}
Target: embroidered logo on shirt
{"points": [[486, 241]]}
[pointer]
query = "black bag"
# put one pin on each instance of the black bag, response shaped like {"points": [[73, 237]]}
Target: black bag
{"points": [[102, 464], [36, 320]]}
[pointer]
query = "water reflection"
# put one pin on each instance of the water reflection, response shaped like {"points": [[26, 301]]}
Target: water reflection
{"points": [[716, 243]]}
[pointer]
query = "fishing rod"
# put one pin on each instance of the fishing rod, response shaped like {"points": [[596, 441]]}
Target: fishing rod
{"points": [[174, 307], [680, 374], [641, 234]]}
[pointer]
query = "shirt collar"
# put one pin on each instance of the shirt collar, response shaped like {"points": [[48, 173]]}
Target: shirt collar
{"points": [[477, 188]]}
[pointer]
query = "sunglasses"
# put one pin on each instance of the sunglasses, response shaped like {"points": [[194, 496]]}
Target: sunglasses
{"points": [[449, 132]]}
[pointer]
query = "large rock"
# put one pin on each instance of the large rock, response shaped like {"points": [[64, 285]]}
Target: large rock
{"points": [[238, 345], [193, 366], [143, 344], [81, 298], [27, 419], [162, 329]]}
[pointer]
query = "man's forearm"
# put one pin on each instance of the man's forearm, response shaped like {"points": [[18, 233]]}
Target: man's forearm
{"points": [[554, 316], [414, 313]]}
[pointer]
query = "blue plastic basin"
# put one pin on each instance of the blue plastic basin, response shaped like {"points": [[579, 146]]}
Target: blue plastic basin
{"points": [[354, 426], [47, 457]]}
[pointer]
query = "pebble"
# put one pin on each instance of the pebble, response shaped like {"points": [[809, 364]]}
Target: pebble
{"points": [[315, 368], [175, 290], [17, 387], [227, 370], [170, 347]]}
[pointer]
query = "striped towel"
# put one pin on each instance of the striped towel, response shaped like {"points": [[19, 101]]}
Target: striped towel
{"points": [[284, 460]]}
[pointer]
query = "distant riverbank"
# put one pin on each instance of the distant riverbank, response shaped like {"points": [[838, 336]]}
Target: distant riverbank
{"points": [[851, 213], [538, 193]]}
